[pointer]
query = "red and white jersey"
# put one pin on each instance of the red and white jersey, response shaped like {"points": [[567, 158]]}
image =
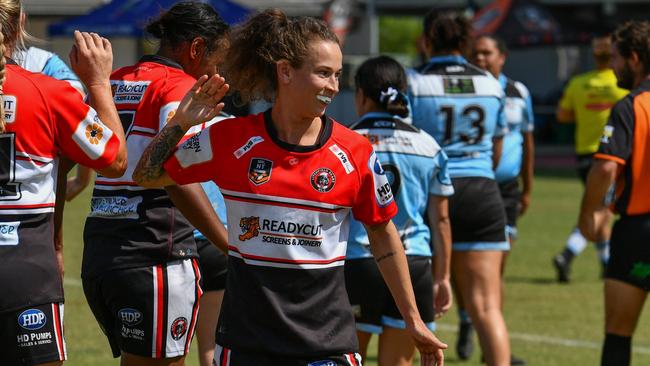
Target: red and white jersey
{"points": [[288, 212], [129, 225], [45, 118]]}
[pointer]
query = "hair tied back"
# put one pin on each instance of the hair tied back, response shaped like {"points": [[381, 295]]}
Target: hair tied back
{"points": [[389, 95]]}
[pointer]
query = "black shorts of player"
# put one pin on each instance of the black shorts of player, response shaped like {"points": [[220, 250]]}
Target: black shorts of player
{"points": [[228, 357], [584, 165], [147, 311], [511, 195], [372, 304], [629, 251], [32, 335], [478, 219], [213, 264]]}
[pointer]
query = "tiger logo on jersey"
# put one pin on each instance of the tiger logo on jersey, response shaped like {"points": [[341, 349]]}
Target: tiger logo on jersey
{"points": [[250, 227]]}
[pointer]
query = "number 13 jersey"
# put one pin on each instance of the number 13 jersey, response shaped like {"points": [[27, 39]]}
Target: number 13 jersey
{"points": [[462, 107], [288, 210]]}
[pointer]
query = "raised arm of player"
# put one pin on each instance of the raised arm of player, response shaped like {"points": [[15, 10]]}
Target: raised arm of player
{"points": [[438, 217], [389, 254], [200, 104], [91, 59]]}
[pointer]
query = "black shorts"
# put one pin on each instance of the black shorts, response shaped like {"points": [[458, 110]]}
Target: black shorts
{"points": [[584, 165], [213, 264], [478, 219], [228, 357], [511, 195], [372, 304], [630, 251], [32, 335], [147, 311]]}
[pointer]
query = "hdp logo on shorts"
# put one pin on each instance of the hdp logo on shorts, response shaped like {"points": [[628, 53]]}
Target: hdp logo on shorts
{"points": [[178, 328], [322, 363], [32, 319], [129, 317]]}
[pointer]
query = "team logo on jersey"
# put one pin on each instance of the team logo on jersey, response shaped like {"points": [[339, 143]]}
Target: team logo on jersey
{"points": [[128, 92], [32, 319], [248, 146], [458, 85], [250, 227], [259, 171], [343, 157], [94, 133], [323, 180], [383, 192], [178, 328], [10, 107], [608, 132], [129, 317]]}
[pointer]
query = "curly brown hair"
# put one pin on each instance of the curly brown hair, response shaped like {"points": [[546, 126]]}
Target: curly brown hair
{"points": [[266, 38], [634, 36]]}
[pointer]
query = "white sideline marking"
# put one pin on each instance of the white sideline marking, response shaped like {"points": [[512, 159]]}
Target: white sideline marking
{"points": [[555, 341]]}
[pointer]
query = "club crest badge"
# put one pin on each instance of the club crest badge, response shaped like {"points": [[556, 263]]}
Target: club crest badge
{"points": [[323, 180], [259, 171]]}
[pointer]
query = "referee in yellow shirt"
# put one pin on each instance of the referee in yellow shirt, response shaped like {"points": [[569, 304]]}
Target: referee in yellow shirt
{"points": [[587, 101]]}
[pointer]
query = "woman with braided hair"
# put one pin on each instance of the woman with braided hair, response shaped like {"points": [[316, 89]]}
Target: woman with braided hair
{"points": [[41, 120]]}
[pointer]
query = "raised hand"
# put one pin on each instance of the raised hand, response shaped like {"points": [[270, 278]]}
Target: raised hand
{"points": [[201, 103], [91, 58]]}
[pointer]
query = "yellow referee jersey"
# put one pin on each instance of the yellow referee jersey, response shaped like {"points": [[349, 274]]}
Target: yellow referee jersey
{"points": [[590, 96]]}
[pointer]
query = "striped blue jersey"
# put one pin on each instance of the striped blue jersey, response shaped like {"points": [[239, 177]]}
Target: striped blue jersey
{"points": [[416, 167], [462, 107], [519, 115]]}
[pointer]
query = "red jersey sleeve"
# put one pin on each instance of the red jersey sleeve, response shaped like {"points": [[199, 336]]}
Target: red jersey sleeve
{"points": [[170, 97], [375, 202], [80, 134], [194, 159]]}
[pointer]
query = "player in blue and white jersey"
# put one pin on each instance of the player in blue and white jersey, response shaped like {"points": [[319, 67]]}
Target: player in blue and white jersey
{"points": [[417, 171], [462, 107]]}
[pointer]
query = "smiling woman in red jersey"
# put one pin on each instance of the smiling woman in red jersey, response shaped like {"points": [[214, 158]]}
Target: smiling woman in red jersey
{"points": [[291, 177]]}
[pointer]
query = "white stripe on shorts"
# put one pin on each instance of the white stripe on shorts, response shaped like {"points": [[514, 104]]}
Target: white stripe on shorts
{"points": [[181, 291]]}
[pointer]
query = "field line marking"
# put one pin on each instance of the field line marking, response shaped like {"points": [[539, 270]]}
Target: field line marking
{"points": [[555, 341]]}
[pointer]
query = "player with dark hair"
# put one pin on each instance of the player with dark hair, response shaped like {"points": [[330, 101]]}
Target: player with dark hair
{"points": [[462, 107], [620, 176], [42, 120], [417, 171], [139, 271], [291, 177]]}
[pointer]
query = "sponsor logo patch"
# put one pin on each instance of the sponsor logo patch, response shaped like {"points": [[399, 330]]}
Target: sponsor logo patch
{"points": [[92, 135], [32, 319], [342, 156], [458, 85], [128, 92], [383, 192], [259, 171], [323, 180], [178, 328], [608, 132], [248, 146], [195, 150], [10, 106], [9, 233], [115, 207], [130, 317], [250, 227]]}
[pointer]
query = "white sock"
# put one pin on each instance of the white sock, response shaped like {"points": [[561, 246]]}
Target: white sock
{"points": [[576, 243]]}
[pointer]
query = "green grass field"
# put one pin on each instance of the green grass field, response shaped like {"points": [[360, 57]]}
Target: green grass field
{"points": [[550, 324]]}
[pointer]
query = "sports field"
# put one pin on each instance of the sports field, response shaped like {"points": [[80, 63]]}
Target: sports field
{"points": [[550, 324]]}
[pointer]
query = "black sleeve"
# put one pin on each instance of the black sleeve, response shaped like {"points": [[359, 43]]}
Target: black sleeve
{"points": [[618, 133]]}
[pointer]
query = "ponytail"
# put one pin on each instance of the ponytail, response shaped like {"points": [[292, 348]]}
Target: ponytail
{"points": [[383, 80]]}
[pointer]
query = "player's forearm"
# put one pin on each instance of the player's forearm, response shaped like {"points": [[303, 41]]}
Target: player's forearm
{"points": [[528, 163], [100, 98], [193, 203], [600, 178], [150, 167], [497, 149], [389, 254], [438, 216]]}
